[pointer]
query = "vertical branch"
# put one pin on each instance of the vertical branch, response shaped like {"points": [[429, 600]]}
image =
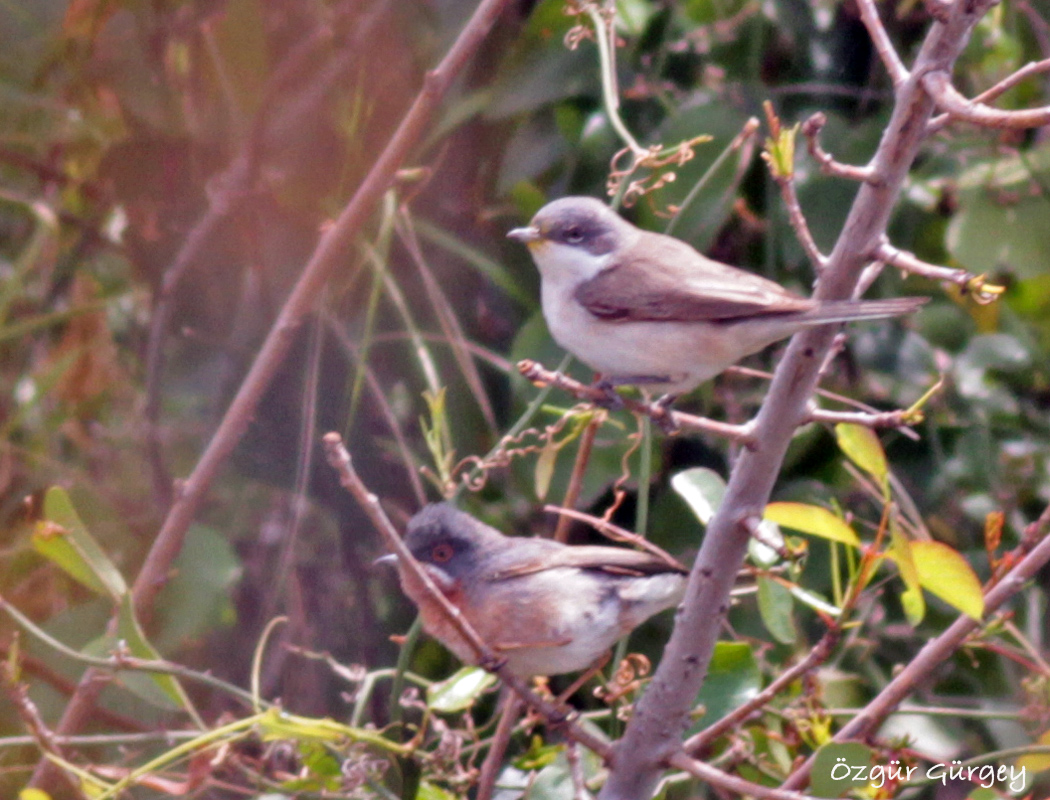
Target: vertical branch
{"points": [[654, 732]]}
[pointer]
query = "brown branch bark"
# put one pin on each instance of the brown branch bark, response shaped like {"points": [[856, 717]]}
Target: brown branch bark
{"points": [[939, 84], [325, 258], [654, 733]]}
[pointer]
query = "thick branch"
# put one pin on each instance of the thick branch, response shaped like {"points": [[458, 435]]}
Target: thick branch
{"points": [[329, 254], [662, 715], [957, 107]]}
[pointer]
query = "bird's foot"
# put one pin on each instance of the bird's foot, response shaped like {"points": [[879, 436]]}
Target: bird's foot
{"points": [[610, 399], [664, 416]]}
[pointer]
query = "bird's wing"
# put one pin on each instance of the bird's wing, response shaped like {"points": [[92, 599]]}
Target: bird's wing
{"points": [[673, 282], [612, 560]]}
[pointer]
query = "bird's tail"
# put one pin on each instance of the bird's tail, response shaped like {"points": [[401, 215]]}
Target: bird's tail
{"points": [[831, 311]]}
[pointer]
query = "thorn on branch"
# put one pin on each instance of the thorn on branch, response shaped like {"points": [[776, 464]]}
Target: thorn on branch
{"points": [[811, 129], [939, 86]]}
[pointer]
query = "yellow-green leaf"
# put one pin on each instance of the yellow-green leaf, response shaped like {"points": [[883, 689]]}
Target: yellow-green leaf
{"points": [[145, 684], [946, 574], [64, 539], [1036, 762], [33, 794], [460, 691], [545, 468], [864, 449], [911, 598], [813, 520]]}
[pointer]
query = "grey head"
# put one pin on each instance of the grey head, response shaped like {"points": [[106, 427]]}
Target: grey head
{"points": [[580, 222], [451, 540]]}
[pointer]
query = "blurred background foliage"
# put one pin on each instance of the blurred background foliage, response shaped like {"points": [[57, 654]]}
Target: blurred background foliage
{"points": [[212, 140]]}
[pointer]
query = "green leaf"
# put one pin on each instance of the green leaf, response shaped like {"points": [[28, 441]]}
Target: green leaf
{"points": [[911, 598], [733, 678], [864, 449], [703, 489], [545, 464], [1036, 762], [171, 691], [459, 692], [776, 606], [813, 520], [64, 539], [943, 572], [834, 767], [429, 791]]}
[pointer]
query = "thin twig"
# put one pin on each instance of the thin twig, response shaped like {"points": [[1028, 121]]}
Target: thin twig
{"points": [[811, 129], [939, 85], [539, 375], [869, 15], [618, 534], [18, 696], [999, 89], [971, 284], [579, 470], [382, 402], [509, 716], [730, 783], [814, 658], [446, 317]]}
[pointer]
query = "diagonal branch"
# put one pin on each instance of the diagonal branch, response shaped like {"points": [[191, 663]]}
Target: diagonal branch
{"points": [[326, 257], [957, 107], [1001, 88], [869, 15]]}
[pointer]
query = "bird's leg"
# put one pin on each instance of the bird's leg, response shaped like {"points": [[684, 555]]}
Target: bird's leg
{"points": [[664, 418], [612, 400]]}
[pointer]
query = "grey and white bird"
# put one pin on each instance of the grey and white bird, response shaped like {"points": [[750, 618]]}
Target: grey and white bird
{"points": [[647, 309]]}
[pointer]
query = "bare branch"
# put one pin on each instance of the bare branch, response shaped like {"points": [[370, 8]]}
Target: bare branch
{"points": [[1001, 88], [973, 285], [869, 14], [18, 696], [730, 783], [538, 374], [779, 156], [579, 470], [921, 667], [957, 107], [817, 656], [811, 129]]}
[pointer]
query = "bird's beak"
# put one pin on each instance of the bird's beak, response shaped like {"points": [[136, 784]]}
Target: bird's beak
{"points": [[390, 559], [525, 235]]}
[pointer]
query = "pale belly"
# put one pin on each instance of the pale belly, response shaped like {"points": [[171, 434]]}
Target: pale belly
{"points": [[672, 356]]}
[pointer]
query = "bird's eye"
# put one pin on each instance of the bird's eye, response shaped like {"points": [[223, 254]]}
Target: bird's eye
{"points": [[574, 235], [441, 553]]}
